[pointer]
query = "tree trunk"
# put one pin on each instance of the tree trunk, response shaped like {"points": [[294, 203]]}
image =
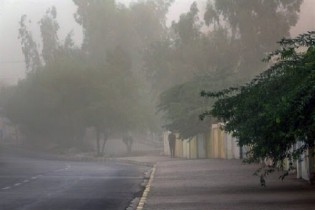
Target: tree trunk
{"points": [[129, 147], [128, 141], [103, 146], [17, 135], [97, 142], [104, 142]]}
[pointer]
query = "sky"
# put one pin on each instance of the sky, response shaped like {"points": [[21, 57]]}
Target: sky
{"points": [[11, 57]]}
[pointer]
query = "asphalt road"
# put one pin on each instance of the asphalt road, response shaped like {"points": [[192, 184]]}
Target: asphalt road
{"points": [[37, 184]]}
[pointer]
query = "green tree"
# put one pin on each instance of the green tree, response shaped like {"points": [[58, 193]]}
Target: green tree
{"points": [[275, 110], [182, 105]]}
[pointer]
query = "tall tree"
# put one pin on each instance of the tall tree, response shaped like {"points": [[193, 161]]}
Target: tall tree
{"points": [[109, 26], [49, 28], [96, 85], [46, 103], [190, 60], [29, 47], [227, 49], [256, 25]]}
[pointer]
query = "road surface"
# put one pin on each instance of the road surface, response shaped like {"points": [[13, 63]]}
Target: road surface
{"points": [[35, 184]]}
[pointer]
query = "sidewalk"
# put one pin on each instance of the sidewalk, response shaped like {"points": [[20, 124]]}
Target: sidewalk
{"points": [[221, 184]]}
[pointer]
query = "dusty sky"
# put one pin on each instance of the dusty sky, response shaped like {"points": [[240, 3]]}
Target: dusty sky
{"points": [[11, 58]]}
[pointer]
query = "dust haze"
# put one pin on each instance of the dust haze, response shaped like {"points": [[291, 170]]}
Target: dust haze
{"points": [[106, 78]]}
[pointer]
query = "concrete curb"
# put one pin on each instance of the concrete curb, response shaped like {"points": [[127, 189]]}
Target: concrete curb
{"points": [[146, 190]]}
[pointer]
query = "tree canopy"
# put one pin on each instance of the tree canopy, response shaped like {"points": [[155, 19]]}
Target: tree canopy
{"points": [[100, 84], [130, 56], [256, 26], [225, 49], [274, 111], [183, 104]]}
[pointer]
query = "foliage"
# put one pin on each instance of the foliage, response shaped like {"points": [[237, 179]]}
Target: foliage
{"points": [[105, 25], [68, 89], [182, 105], [46, 104], [101, 84], [29, 46], [226, 51], [276, 109], [49, 28], [255, 25], [229, 42]]}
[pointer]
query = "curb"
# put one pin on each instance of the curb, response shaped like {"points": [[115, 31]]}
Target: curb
{"points": [[146, 190]]}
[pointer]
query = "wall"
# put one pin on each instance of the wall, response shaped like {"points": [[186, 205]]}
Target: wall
{"points": [[214, 144]]}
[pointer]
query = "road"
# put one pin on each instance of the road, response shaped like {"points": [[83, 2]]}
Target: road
{"points": [[35, 184]]}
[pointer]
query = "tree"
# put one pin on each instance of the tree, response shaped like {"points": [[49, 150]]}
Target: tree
{"points": [[218, 51], [113, 108], [48, 104], [49, 28], [170, 61], [68, 89], [229, 42], [182, 105], [105, 25], [29, 47], [276, 109], [256, 25]]}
